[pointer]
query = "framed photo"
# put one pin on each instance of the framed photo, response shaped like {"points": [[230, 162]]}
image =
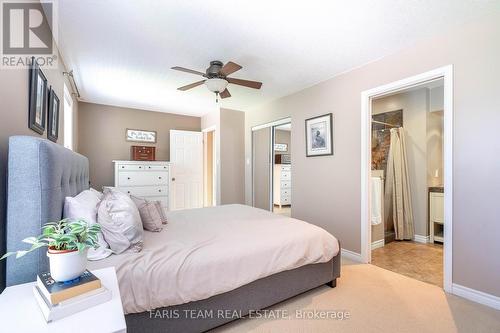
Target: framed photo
{"points": [[136, 135], [53, 119], [37, 98], [319, 135], [281, 147]]}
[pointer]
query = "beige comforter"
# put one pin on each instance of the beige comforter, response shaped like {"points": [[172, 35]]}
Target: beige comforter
{"points": [[209, 251]]}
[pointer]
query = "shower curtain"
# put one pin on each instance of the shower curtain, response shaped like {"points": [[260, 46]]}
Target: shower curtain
{"points": [[397, 191]]}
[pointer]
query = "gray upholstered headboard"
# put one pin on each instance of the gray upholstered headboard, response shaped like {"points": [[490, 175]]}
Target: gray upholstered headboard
{"points": [[40, 175]]}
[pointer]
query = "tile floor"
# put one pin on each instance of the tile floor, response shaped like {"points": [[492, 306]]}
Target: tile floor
{"points": [[423, 262]]}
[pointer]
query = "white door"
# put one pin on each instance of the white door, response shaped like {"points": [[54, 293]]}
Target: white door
{"points": [[186, 157]]}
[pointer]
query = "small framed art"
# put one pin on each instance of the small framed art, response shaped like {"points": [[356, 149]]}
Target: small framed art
{"points": [[319, 135], [37, 98]]}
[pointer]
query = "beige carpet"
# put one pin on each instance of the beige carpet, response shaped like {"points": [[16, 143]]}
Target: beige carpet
{"points": [[378, 300]]}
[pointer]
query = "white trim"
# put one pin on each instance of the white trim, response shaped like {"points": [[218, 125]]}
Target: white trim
{"points": [[378, 244], [351, 255], [445, 72], [209, 129], [273, 123], [476, 296], [421, 239]]}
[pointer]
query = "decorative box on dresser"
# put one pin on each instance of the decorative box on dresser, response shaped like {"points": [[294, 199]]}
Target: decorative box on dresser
{"points": [[145, 179], [282, 187]]}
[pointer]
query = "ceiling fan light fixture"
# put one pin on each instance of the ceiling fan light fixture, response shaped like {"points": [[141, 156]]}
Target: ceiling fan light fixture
{"points": [[216, 85]]}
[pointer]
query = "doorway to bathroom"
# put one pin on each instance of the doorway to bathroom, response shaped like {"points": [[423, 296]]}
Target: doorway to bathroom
{"points": [[406, 179]]}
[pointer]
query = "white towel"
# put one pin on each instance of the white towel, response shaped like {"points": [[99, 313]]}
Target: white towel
{"points": [[376, 200]]}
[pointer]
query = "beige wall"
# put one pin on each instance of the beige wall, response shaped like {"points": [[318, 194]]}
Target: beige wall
{"points": [[232, 157], [14, 97], [229, 153], [326, 190], [102, 135], [261, 145]]}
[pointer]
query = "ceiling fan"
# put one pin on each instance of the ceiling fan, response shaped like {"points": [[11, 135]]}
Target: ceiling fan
{"points": [[217, 78]]}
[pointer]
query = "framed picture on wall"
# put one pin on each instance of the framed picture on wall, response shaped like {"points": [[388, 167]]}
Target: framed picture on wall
{"points": [[136, 135], [37, 98], [319, 135], [53, 119]]}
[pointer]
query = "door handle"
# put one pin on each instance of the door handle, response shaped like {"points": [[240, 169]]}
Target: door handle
{"points": [[173, 179]]}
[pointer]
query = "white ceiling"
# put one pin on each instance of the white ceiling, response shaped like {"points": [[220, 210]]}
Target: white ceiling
{"points": [[122, 51]]}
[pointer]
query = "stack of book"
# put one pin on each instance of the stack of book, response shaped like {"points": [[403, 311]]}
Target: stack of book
{"points": [[61, 299]]}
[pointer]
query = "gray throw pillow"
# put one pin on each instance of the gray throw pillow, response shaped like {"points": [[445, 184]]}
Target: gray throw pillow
{"points": [[139, 202]]}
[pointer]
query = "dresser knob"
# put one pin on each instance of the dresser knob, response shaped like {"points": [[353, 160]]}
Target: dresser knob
{"points": [[159, 177], [150, 167], [159, 190], [128, 178], [140, 167], [128, 192]]}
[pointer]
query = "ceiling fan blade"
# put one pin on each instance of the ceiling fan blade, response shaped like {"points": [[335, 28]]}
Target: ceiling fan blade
{"points": [[230, 68], [225, 94], [187, 70], [192, 85], [245, 83]]}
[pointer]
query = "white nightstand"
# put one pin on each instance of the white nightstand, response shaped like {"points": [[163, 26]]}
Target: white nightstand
{"points": [[19, 311]]}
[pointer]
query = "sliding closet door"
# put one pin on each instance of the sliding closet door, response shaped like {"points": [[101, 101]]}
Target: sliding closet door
{"points": [[261, 152]]}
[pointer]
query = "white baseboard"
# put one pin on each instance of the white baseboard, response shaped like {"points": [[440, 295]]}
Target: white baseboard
{"points": [[422, 239], [377, 244], [351, 255], [476, 296]]}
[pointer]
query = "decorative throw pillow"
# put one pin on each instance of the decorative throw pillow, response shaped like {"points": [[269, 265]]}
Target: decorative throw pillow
{"points": [[84, 206], [120, 222], [139, 202], [150, 216]]}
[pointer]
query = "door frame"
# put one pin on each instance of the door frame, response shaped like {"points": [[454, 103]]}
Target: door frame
{"points": [[271, 124], [205, 131], [445, 72]]}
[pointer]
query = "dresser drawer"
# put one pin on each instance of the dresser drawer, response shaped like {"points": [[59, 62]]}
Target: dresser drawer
{"points": [[286, 193], [286, 175], [144, 191], [286, 184], [156, 167], [130, 178], [131, 167], [286, 168], [286, 200]]}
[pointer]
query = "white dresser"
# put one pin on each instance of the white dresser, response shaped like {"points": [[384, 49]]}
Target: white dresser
{"points": [[148, 180], [282, 187]]}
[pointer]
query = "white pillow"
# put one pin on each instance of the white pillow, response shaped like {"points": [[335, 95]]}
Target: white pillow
{"points": [[84, 206], [120, 222], [97, 193]]}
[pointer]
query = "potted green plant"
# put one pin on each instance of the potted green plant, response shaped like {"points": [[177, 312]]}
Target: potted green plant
{"points": [[67, 242]]}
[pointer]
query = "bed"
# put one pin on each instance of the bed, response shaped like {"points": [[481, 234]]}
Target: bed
{"points": [[221, 262]]}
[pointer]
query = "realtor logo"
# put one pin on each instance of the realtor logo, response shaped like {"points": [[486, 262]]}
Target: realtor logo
{"points": [[26, 32]]}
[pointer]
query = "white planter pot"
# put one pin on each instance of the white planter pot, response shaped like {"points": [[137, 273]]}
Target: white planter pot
{"points": [[66, 266]]}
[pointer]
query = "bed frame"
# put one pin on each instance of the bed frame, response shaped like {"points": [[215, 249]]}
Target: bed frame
{"points": [[41, 174]]}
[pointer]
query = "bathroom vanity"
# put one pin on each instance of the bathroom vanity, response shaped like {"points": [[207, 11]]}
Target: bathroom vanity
{"points": [[436, 214]]}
